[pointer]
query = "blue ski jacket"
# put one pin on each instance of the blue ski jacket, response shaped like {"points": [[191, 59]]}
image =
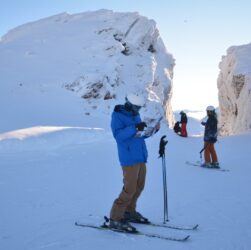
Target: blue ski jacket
{"points": [[131, 149]]}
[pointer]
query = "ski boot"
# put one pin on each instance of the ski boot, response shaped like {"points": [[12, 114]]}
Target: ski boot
{"points": [[206, 165], [121, 226], [215, 165], [135, 217]]}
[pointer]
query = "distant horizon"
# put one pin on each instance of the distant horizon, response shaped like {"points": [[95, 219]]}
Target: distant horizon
{"points": [[196, 34]]}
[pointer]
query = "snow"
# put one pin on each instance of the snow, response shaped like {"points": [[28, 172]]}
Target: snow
{"points": [[59, 165], [51, 177], [234, 86]]}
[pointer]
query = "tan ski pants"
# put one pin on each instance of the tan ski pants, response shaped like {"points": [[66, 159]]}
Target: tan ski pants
{"points": [[134, 182]]}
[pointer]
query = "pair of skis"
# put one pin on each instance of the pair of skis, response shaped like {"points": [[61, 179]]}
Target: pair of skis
{"points": [[198, 164], [181, 238]]}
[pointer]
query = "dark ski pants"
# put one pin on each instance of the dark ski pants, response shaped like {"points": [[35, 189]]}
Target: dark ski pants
{"points": [[134, 182], [210, 153]]}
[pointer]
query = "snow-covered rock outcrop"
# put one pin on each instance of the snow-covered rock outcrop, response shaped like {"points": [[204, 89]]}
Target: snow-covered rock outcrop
{"points": [[97, 56], [234, 84]]}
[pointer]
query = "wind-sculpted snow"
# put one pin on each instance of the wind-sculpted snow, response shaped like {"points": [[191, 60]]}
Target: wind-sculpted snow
{"points": [[234, 84], [47, 138]]}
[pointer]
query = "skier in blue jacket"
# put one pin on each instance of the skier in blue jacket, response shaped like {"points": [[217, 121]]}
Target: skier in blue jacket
{"points": [[132, 151]]}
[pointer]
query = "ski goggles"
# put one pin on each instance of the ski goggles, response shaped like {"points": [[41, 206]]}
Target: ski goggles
{"points": [[136, 108], [131, 107]]}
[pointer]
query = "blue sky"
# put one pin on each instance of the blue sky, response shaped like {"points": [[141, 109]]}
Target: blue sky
{"points": [[197, 33]]}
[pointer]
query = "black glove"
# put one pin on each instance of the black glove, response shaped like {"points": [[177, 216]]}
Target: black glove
{"points": [[140, 126], [162, 145]]}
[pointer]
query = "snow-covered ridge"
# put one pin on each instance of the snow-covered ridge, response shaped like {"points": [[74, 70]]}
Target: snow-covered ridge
{"points": [[48, 137], [99, 56], [234, 84]]}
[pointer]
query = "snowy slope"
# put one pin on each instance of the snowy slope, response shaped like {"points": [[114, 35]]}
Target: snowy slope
{"points": [[52, 176], [58, 164], [79, 66], [234, 84]]}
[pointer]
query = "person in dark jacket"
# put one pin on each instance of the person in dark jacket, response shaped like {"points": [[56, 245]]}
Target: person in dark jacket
{"points": [[177, 128], [132, 151], [183, 122], [210, 137]]}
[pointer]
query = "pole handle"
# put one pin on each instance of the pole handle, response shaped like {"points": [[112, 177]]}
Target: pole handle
{"points": [[162, 146]]}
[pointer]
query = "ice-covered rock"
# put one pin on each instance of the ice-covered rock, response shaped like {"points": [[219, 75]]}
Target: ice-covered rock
{"points": [[234, 85], [99, 56]]}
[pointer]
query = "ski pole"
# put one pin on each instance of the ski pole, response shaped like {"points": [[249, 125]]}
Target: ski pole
{"points": [[164, 190], [203, 150], [162, 155]]}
